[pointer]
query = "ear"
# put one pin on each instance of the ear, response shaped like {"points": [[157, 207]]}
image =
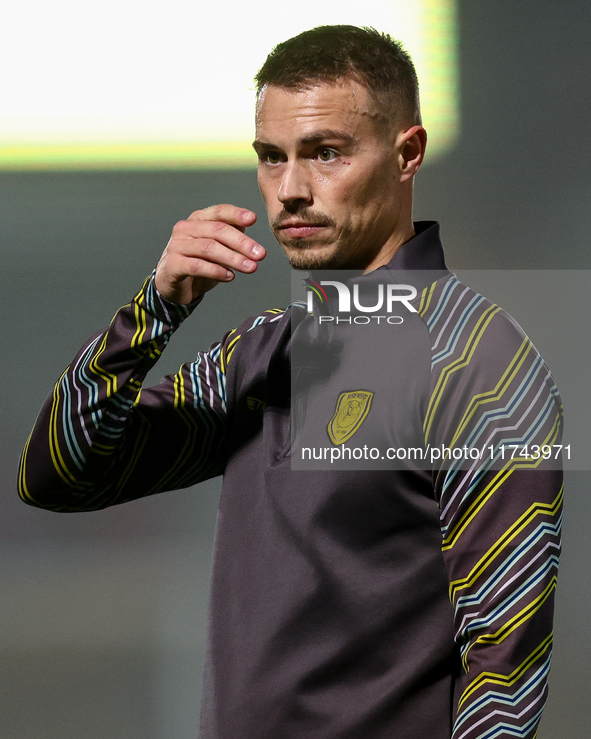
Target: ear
{"points": [[411, 146]]}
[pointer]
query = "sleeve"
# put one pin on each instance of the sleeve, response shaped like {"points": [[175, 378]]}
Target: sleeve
{"points": [[100, 439], [495, 417]]}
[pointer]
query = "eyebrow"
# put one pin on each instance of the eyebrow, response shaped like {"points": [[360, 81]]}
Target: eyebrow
{"points": [[313, 138]]}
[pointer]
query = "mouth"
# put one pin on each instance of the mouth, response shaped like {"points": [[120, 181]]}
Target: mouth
{"points": [[304, 228], [300, 230]]}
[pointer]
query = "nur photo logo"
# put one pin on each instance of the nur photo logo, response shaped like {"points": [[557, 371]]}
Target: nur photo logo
{"points": [[380, 305]]}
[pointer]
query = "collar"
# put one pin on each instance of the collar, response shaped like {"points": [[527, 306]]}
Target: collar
{"points": [[420, 261], [423, 251]]}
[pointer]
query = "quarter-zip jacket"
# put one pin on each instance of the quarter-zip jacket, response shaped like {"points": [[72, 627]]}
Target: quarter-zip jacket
{"points": [[363, 601]]}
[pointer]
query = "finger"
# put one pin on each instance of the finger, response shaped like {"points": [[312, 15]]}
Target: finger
{"points": [[204, 232], [232, 255], [239, 217], [197, 267]]}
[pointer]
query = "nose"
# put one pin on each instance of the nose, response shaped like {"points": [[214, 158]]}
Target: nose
{"points": [[295, 185]]}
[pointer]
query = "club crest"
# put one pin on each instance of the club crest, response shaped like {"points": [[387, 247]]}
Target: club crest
{"points": [[352, 408]]}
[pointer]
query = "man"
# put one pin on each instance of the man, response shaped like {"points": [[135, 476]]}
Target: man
{"points": [[330, 610]]}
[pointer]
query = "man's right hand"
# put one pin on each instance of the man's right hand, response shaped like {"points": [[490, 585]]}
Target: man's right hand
{"points": [[207, 249]]}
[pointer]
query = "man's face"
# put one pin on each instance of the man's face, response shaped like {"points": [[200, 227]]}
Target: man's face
{"points": [[329, 173]]}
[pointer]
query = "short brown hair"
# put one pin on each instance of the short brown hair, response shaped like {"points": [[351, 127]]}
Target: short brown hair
{"points": [[331, 53]]}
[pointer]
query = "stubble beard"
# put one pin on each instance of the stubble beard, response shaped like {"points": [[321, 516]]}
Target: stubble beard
{"points": [[304, 256]]}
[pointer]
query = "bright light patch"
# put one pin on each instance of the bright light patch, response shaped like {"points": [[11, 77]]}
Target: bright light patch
{"points": [[130, 84]]}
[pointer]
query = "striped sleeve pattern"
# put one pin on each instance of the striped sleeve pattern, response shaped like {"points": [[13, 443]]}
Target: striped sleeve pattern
{"points": [[500, 516], [100, 439]]}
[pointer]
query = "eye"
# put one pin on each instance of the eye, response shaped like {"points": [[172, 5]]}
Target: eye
{"points": [[271, 157], [326, 155]]}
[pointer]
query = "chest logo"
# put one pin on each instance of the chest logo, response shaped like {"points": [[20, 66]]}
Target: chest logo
{"points": [[351, 411]]}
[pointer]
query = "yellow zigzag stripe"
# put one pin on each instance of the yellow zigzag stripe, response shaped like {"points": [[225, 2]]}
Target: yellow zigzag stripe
{"points": [[141, 440], [110, 379], [513, 623], [54, 447], [493, 485], [140, 318], [231, 344], [179, 390], [143, 437], [536, 509], [111, 382], [462, 361], [224, 357], [230, 349], [23, 490], [501, 476], [497, 392], [506, 681], [180, 405], [426, 296]]}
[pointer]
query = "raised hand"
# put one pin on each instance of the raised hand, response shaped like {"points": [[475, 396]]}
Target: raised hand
{"points": [[206, 249]]}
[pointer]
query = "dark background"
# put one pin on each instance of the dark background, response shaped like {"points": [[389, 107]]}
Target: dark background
{"points": [[103, 614]]}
